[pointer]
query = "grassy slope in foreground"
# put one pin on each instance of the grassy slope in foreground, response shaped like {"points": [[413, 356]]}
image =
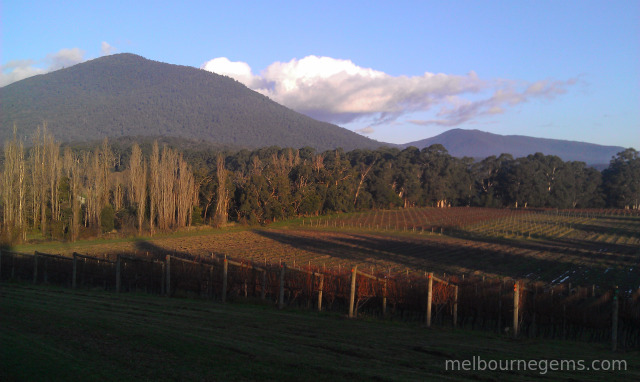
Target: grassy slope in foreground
{"points": [[62, 334]]}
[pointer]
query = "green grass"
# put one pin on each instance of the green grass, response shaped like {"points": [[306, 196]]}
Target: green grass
{"points": [[49, 333]]}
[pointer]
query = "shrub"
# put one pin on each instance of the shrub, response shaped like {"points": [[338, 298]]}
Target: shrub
{"points": [[107, 218]]}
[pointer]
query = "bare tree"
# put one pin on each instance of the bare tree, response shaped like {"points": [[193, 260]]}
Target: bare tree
{"points": [[53, 173], [14, 187], [167, 198], [184, 197], [138, 184], [38, 181], [72, 169], [222, 205], [154, 184]]}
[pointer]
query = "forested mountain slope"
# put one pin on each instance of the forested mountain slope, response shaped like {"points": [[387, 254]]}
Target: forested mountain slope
{"points": [[128, 95]]}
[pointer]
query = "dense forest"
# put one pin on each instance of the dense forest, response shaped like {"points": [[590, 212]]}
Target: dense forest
{"points": [[71, 192]]}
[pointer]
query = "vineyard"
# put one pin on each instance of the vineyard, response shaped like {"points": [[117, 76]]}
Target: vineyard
{"points": [[446, 266]]}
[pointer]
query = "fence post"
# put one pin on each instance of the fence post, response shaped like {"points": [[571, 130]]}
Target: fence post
{"points": [[0, 265], [45, 278], [75, 270], [281, 294], [163, 282], [614, 321], [168, 277], [516, 307], [35, 267], [320, 287], [429, 298], [455, 307], [354, 272], [263, 292], [225, 269], [118, 274], [210, 291], [384, 297]]}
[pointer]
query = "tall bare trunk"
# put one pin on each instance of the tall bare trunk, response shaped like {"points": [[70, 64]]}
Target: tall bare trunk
{"points": [[14, 187], [154, 185], [222, 205], [138, 184]]}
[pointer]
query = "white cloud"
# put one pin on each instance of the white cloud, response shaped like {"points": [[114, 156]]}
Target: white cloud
{"points": [[240, 71], [366, 130], [65, 58], [106, 49], [20, 69], [340, 91]]}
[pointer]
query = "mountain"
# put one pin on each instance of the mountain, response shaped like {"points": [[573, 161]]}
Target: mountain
{"points": [[480, 144], [127, 95]]}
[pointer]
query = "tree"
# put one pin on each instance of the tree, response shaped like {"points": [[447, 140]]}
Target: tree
{"points": [[621, 180], [14, 188], [72, 168], [138, 183], [154, 184]]}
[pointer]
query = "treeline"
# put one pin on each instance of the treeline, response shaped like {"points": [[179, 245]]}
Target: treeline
{"points": [[91, 191], [272, 184], [67, 194]]}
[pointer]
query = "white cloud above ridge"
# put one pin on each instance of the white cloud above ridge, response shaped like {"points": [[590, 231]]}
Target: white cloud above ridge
{"points": [[64, 58], [20, 69], [107, 49], [339, 91]]}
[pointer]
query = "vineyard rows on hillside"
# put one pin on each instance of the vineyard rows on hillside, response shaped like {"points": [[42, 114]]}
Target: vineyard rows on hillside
{"points": [[582, 247]]}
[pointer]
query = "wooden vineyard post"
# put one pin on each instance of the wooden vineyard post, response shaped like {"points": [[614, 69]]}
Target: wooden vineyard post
{"points": [[163, 282], [384, 297], [516, 306], [244, 286], [168, 277], [225, 275], [614, 321], [75, 270], [45, 278], [210, 291], [35, 267], [263, 292], [352, 295], [281, 294], [320, 287], [118, 274], [455, 307], [429, 298]]}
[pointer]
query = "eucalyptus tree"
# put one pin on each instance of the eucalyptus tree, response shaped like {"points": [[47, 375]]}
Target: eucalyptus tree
{"points": [[621, 180]]}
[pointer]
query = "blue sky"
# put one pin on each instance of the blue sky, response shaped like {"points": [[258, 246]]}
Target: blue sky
{"points": [[395, 71]]}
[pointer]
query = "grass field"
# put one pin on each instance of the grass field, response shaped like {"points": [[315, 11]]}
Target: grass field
{"points": [[49, 333]]}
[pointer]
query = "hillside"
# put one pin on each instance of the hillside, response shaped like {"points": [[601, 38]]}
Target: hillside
{"points": [[127, 95], [480, 144]]}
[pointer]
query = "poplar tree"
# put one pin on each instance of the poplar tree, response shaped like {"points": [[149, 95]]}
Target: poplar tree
{"points": [[138, 184], [154, 185], [14, 187], [222, 204], [72, 169]]}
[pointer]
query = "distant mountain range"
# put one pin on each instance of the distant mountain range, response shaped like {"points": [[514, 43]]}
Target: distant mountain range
{"points": [[127, 95], [479, 144]]}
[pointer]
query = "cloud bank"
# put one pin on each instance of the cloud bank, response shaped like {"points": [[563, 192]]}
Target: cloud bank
{"points": [[339, 91]]}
